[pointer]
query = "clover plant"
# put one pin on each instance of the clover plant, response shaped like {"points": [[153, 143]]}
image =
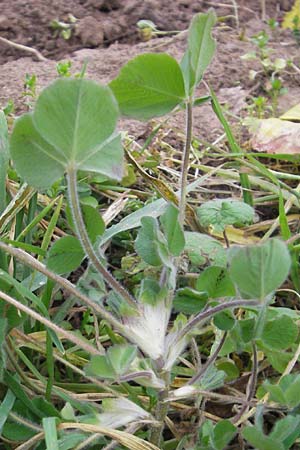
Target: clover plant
{"points": [[72, 130]]}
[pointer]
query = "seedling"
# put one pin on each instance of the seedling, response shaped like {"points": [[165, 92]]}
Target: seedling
{"points": [[148, 30], [271, 68], [30, 90], [9, 108], [72, 130], [296, 29], [259, 107], [64, 68], [220, 213], [64, 29], [273, 24]]}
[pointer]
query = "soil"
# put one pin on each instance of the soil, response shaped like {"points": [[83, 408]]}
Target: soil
{"points": [[105, 36]]}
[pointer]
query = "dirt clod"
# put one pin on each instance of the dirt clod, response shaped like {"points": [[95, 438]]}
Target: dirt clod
{"points": [[4, 23], [90, 32], [105, 35]]}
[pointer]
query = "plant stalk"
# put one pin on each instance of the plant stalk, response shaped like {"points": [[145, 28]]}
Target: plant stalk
{"points": [[209, 362], [186, 158], [204, 315], [161, 412], [251, 386], [86, 243]]}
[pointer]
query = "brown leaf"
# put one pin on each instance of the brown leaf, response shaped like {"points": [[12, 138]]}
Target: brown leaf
{"points": [[276, 136]]}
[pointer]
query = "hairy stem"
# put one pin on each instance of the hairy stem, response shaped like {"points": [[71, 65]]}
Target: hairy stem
{"points": [[86, 243], [185, 163], [209, 361], [161, 412], [204, 315], [251, 386]]}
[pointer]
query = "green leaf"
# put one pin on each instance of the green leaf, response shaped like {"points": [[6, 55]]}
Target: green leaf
{"points": [[286, 430], [70, 441], [246, 329], [278, 360], [172, 230], [203, 249], [212, 379], [154, 209], [18, 391], [189, 301], [17, 432], [206, 434], [45, 407], [292, 392], [121, 356], [224, 320], [150, 291], [287, 392], [5, 407], [68, 413], [148, 239], [49, 425], [4, 158], [200, 51], [72, 125], [31, 153], [133, 220], [223, 433], [231, 370], [259, 440], [279, 334], [216, 282], [259, 270], [93, 221], [101, 367], [65, 255], [219, 213], [3, 334], [149, 85], [275, 391]]}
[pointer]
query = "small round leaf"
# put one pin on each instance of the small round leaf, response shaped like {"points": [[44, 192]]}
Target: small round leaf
{"points": [[65, 255], [30, 161], [202, 249], [73, 124], [219, 213], [259, 270], [279, 334], [149, 85]]}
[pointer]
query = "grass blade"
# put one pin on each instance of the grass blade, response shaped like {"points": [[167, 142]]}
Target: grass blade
{"points": [[234, 147], [16, 205], [5, 407], [49, 425], [4, 158]]}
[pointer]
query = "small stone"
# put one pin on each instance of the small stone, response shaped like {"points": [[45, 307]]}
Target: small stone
{"points": [[4, 23], [90, 32]]}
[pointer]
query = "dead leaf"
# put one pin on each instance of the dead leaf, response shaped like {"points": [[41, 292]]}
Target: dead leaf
{"points": [[292, 114], [289, 18], [276, 136]]}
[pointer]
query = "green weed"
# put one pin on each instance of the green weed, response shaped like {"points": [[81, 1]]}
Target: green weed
{"points": [[135, 359]]}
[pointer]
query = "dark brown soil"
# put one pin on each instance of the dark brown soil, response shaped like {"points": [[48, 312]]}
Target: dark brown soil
{"points": [[99, 23], [105, 35]]}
